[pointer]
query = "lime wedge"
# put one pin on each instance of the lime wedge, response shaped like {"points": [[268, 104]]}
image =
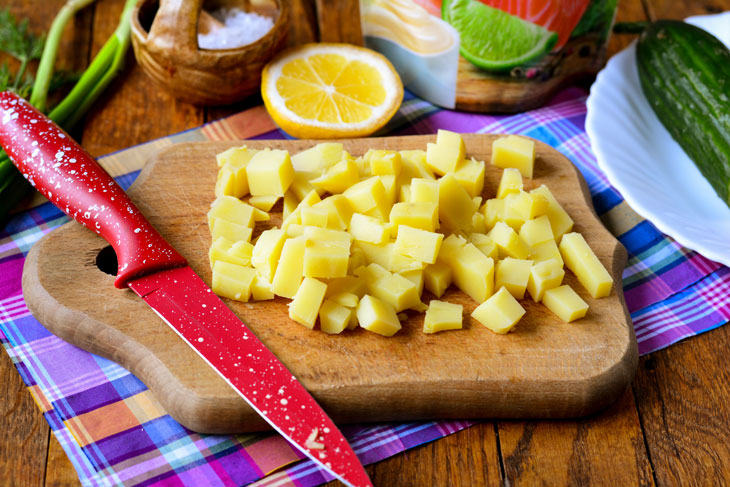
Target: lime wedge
{"points": [[495, 40]]}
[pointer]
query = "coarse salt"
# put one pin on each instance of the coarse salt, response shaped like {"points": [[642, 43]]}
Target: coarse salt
{"points": [[240, 28]]}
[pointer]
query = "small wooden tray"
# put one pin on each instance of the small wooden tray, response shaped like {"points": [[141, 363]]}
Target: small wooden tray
{"points": [[544, 368]]}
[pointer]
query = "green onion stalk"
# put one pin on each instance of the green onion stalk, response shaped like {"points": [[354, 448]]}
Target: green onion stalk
{"points": [[105, 66]]}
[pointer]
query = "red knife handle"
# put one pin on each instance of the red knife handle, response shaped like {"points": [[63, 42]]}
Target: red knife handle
{"points": [[73, 181]]}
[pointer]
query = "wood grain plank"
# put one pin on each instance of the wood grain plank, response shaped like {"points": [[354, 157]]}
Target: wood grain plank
{"points": [[605, 449], [60, 471], [671, 9], [682, 395], [303, 22], [632, 11], [23, 431], [339, 21], [134, 109], [468, 458]]}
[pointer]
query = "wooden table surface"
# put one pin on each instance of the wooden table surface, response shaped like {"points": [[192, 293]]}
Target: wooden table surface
{"points": [[672, 427]]}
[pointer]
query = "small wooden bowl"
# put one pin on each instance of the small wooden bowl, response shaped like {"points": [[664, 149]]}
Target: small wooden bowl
{"points": [[165, 41]]}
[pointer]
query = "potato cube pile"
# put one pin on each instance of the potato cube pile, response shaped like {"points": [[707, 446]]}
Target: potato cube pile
{"points": [[362, 237]]}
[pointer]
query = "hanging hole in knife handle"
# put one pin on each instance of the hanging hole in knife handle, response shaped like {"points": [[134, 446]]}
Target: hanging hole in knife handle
{"points": [[106, 261]]}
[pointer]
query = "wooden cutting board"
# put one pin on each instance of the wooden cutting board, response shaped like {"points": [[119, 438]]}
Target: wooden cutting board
{"points": [[544, 368]]}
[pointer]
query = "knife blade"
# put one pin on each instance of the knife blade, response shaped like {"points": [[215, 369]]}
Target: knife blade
{"points": [[72, 180]]}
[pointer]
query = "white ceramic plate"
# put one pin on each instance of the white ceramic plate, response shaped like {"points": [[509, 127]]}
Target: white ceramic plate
{"points": [[644, 163]]}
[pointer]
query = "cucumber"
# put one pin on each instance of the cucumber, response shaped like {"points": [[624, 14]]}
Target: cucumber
{"points": [[685, 75]]}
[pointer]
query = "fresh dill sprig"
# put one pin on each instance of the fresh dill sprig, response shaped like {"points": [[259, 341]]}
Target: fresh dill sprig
{"points": [[23, 45]]}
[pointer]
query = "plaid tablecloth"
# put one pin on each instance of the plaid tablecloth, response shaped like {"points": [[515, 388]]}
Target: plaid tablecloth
{"points": [[116, 433]]}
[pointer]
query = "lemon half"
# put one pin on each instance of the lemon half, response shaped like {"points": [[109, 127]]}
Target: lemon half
{"points": [[326, 91]]}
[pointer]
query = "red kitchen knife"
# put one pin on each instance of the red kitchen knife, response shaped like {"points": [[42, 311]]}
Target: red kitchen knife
{"points": [[72, 180]]}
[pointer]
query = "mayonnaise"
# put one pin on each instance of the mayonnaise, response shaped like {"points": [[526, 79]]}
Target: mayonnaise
{"points": [[406, 23]]}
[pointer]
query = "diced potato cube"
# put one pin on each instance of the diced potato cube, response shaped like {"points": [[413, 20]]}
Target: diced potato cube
{"points": [[235, 156], [500, 313], [401, 263], [231, 209], [508, 241], [366, 195], [353, 321], [349, 284], [343, 239], [289, 270], [339, 211], [294, 230], [485, 245], [266, 252], [377, 316], [580, 259], [418, 215], [512, 218], [394, 289], [414, 165], [382, 209], [348, 300], [565, 302], [546, 251], [304, 308], [325, 259], [376, 253], [368, 229], [448, 151], [441, 316], [404, 193], [525, 206], [424, 191], [261, 289], [313, 161], [470, 174], [384, 162], [536, 231], [260, 215], [357, 259], [317, 217], [219, 251], [240, 253], [560, 221], [270, 172], [338, 178], [437, 277], [232, 281], [514, 151], [455, 205], [363, 167], [544, 275], [263, 203], [333, 317], [416, 277], [230, 230], [418, 244], [473, 273], [513, 274], [511, 182], [493, 212], [301, 188], [232, 181], [450, 248], [477, 223], [290, 204]]}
